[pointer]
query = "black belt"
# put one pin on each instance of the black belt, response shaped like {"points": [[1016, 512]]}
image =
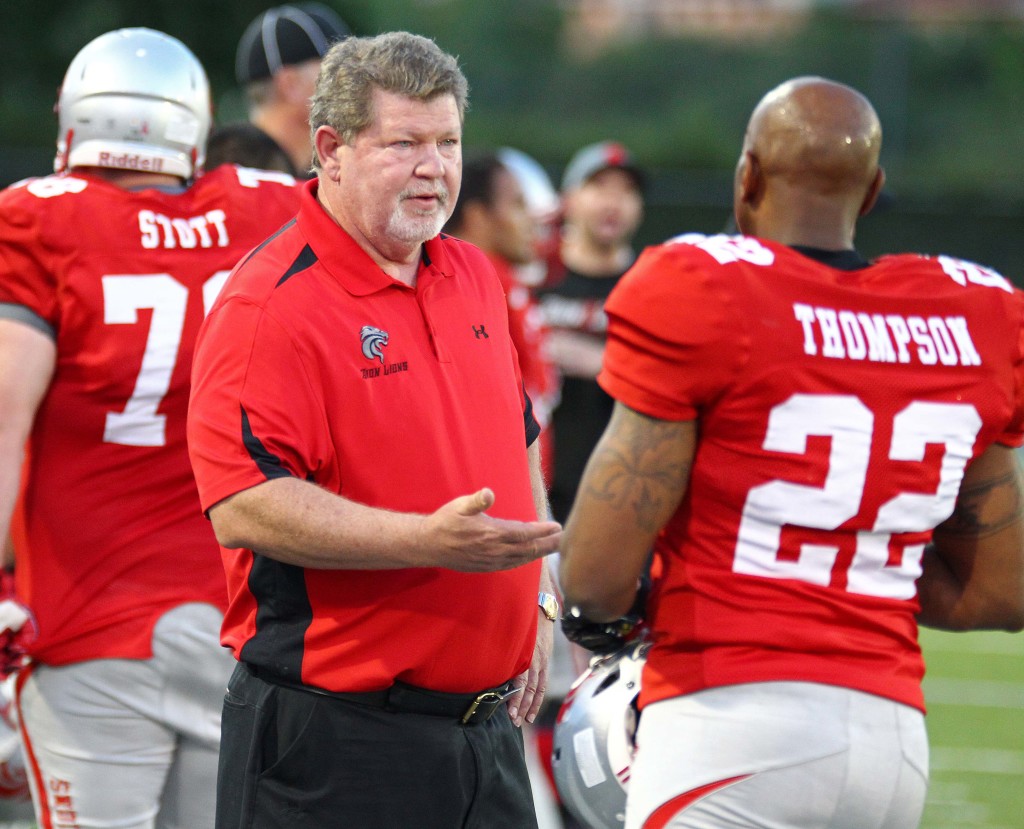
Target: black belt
{"points": [[402, 698]]}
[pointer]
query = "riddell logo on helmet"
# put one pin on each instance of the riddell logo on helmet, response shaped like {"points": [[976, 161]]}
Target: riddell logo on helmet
{"points": [[128, 161]]}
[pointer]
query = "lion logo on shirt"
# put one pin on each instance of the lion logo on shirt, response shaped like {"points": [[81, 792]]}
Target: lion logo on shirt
{"points": [[374, 340]]}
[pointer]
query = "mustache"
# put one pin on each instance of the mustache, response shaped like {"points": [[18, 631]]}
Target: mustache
{"points": [[441, 194]]}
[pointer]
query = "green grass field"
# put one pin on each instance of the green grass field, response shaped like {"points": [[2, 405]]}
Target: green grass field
{"points": [[974, 690]]}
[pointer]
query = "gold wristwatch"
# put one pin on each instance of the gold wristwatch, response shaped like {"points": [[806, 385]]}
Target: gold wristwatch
{"points": [[549, 605]]}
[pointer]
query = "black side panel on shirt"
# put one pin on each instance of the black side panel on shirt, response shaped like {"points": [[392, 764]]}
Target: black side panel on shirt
{"points": [[283, 611], [269, 463], [283, 614], [305, 259], [529, 421]]}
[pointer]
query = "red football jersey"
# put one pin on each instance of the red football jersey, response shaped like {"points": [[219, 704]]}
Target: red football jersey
{"points": [[109, 533], [529, 336], [837, 410]]}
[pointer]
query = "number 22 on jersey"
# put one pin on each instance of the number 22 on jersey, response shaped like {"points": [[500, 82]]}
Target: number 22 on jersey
{"points": [[850, 425]]}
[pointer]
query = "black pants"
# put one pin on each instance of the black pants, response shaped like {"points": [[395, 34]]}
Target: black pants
{"points": [[291, 759]]}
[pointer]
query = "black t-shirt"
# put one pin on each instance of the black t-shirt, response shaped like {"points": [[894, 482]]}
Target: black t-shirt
{"points": [[576, 303]]}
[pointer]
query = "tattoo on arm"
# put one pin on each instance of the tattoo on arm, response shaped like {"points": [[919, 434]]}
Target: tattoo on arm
{"points": [[643, 467], [986, 507]]}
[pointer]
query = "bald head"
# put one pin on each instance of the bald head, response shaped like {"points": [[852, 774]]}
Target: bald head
{"points": [[810, 159]]}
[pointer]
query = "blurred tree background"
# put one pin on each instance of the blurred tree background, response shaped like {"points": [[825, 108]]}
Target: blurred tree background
{"points": [[548, 76]]}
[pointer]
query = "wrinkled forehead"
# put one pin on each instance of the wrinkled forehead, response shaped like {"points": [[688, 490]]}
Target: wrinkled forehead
{"points": [[385, 104]]}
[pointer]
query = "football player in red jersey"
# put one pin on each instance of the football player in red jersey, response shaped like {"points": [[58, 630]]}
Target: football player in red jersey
{"points": [[106, 271], [819, 449]]}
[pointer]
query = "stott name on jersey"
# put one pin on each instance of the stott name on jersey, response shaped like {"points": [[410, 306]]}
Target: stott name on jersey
{"points": [[842, 334], [206, 231]]}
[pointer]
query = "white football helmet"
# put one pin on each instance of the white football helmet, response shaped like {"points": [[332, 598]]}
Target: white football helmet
{"points": [[593, 739], [134, 99], [541, 196], [543, 203]]}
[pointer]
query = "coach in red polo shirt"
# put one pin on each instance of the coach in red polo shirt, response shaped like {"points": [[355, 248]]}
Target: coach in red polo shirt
{"points": [[368, 458]]}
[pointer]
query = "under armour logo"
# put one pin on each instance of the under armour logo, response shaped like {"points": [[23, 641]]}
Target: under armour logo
{"points": [[374, 340], [481, 332]]}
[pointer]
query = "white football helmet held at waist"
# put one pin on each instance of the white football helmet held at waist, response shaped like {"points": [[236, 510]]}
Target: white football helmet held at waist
{"points": [[134, 99], [593, 744]]}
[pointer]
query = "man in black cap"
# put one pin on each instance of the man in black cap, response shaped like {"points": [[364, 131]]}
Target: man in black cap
{"points": [[277, 63]]}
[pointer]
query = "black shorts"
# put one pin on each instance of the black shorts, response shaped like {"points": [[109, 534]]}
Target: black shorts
{"points": [[294, 759]]}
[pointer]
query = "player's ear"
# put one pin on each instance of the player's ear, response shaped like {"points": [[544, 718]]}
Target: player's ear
{"points": [[751, 179], [873, 192]]}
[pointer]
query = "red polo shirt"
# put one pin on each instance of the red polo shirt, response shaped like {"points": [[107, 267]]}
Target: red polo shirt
{"points": [[316, 364]]}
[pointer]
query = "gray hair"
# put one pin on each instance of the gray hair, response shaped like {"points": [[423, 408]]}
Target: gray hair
{"points": [[398, 62]]}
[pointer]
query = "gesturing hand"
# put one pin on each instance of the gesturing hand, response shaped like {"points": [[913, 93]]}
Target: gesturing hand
{"points": [[468, 539]]}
